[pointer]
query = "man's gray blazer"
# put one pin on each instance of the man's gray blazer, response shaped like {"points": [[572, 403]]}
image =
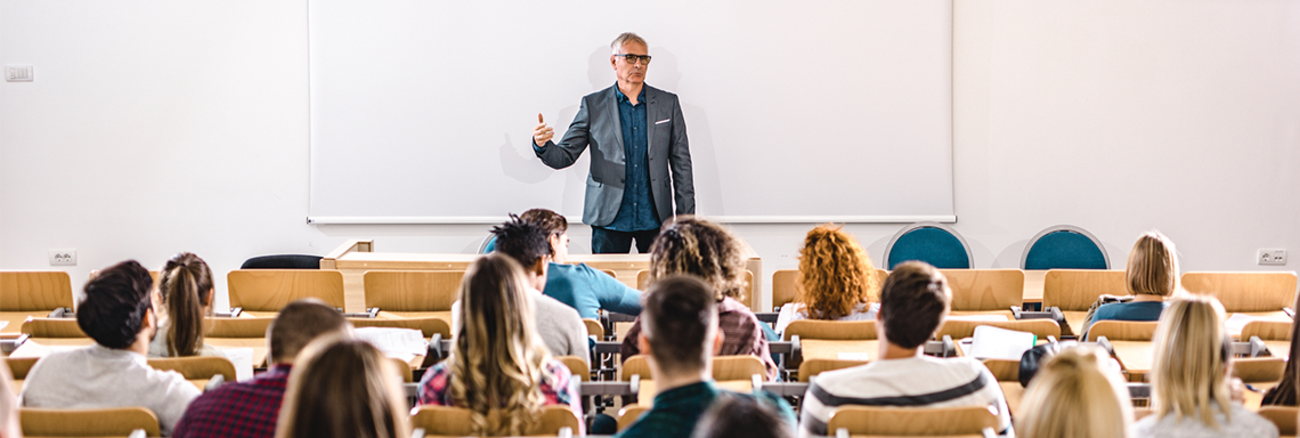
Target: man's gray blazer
{"points": [[597, 124]]}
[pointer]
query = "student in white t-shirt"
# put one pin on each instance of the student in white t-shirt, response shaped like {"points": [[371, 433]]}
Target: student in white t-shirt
{"points": [[913, 304], [836, 280], [118, 314]]}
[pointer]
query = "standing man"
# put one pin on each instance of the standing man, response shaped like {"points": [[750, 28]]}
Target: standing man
{"points": [[637, 135]]}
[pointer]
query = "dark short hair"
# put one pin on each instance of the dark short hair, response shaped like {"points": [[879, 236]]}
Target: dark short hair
{"points": [[116, 302], [913, 302], [523, 241], [741, 416], [681, 308], [299, 323]]}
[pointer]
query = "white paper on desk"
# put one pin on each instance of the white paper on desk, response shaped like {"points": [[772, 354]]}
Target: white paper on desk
{"points": [[398, 343], [979, 318], [243, 360], [999, 343], [1238, 321], [853, 356]]}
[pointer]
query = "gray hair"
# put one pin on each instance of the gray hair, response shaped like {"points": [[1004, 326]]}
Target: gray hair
{"points": [[624, 38]]}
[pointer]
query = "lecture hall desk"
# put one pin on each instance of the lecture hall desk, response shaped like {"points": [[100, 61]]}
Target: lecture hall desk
{"points": [[355, 257]]}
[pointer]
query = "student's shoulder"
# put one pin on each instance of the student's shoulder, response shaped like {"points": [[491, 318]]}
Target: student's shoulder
{"points": [[1247, 423]]}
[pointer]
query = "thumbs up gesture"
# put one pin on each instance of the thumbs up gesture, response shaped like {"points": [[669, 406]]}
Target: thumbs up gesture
{"points": [[542, 133]]}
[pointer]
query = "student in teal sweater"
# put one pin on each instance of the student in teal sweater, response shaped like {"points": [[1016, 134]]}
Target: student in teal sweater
{"points": [[1151, 277], [580, 286]]}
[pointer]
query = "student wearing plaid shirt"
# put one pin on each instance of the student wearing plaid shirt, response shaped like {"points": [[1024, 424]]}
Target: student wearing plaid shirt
{"points": [[251, 408]]}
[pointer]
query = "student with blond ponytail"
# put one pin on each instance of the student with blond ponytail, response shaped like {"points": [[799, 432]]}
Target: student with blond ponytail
{"points": [[1078, 393], [186, 289]]}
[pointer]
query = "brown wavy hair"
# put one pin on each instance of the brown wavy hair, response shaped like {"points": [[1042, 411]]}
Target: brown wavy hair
{"points": [[186, 288], [835, 274], [703, 249]]}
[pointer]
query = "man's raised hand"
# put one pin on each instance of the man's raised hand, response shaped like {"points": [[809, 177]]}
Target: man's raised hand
{"points": [[542, 133]]}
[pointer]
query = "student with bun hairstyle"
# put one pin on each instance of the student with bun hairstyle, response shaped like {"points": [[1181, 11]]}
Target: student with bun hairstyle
{"points": [[185, 287], [836, 280], [1077, 393], [344, 388], [1151, 278], [1189, 379]]}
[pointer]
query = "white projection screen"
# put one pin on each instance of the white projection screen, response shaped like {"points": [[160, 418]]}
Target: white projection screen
{"points": [[797, 111]]}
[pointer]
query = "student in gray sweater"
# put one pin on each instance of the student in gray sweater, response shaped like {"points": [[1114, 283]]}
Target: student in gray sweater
{"points": [[118, 314]]}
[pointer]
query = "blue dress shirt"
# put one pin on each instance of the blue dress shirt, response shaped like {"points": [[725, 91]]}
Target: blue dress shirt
{"points": [[637, 213]]}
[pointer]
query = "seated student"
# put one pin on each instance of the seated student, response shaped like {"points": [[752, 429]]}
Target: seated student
{"points": [[580, 286], [118, 314], [836, 280], [251, 408], [1076, 393], [344, 388], [1151, 277], [185, 287], [497, 361], [742, 417], [679, 333], [557, 324], [9, 427], [1189, 379], [913, 304], [1284, 394], [708, 251]]}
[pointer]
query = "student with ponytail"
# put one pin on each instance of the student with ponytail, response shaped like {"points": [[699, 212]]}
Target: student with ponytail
{"points": [[186, 289]]}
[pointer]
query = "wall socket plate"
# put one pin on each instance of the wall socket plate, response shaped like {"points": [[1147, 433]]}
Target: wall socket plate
{"points": [[18, 73], [63, 257], [1272, 257]]}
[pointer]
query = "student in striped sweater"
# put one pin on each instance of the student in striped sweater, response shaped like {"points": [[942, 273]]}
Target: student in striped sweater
{"points": [[914, 302]]}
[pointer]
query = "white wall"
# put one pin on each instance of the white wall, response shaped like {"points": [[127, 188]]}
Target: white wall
{"points": [[155, 127]]}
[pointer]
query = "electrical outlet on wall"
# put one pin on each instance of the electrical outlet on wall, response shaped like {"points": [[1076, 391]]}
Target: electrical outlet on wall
{"points": [[63, 257], [1274, 257]]}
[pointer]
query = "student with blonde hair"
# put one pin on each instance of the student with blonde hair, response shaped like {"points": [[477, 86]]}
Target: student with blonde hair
{"points": [[706, 250], [1077, 393], [836, 280], [185, 287], [1189, 379], [1151, 277], [497, 361], [343, 388]]}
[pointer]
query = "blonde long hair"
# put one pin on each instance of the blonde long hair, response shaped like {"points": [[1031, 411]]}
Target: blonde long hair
{"points": [[1152, 266], [1076, 394], [497, 358], [1190, 374], [343, 388], [835, 274]]}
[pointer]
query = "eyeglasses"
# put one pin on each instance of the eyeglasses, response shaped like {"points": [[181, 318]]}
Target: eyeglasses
{"points": [[632, 59]]}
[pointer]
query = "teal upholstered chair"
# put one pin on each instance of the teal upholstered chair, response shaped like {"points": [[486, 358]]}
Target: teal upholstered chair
{"points": [[929, 242], [489, 244], [1064, 247]]}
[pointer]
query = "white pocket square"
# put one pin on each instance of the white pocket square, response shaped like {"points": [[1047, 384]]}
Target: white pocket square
{"points": [[663, 121]]}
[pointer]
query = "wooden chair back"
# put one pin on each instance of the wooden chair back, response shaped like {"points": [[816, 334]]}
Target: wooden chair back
{"points": [[269, 290], [630, 414], [1267, 330], [610, 272], [1074, 290], [577, 367], [1004, 370], [19, 367], [403, 369], [196, 367], [412, 291], [784, 287], [1282, 417], [985, 289], [1245, 291], [642, 279], [635, 366], [594, 328], [831, 330], [1122, 330], [22, 291], [53, 328], [238, 327], [725, 368], [427, 326], [893, 421], [443, 421], [961, 329], [1259, 369], [1140, 413], [813, 367], [87, 422]]}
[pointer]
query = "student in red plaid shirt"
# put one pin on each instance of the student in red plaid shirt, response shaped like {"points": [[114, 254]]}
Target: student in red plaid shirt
{"points": [[251, 408]]}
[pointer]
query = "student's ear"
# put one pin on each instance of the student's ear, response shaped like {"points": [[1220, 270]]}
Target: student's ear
{"points": [[643, 343], [718, 339], [212, 297], [539, 268], [150, 319]]}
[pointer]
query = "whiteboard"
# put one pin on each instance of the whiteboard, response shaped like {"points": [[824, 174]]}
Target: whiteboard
{"points": [[811, 111]]}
